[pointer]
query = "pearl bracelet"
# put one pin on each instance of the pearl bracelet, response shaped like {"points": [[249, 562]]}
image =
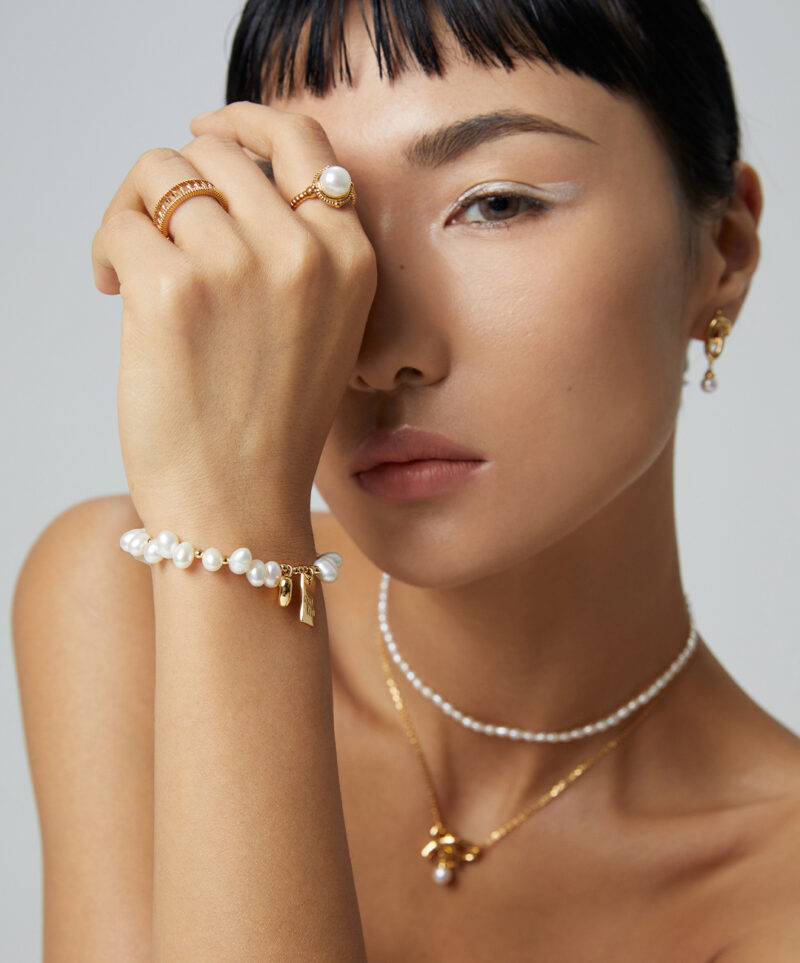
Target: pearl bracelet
{"points": [[167, 545]]}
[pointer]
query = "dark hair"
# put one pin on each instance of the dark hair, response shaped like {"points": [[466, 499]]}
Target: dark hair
{"points": [[665, 54]]}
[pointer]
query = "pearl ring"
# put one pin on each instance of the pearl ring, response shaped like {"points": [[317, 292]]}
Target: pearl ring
{"points": [[332, 184]]}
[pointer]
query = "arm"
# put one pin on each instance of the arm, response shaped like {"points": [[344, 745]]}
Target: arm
{"points": [[251, 858], [251, 863]]}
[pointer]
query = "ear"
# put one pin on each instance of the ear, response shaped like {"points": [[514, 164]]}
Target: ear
{"points": [[731, 250]]}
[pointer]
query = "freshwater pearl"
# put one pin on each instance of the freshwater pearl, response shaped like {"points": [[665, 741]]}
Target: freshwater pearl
{"points": [[125, 540], [709, 384], [183, 556], [167, 543], [239, 560], [334, 181], [273, 574], [328, 572], [257, 572], [442, 875], [212, 559], [151, 554], [137, 543]]}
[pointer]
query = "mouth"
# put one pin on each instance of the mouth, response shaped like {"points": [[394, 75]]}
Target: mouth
{"points": [[405, 481], [408, 463]]}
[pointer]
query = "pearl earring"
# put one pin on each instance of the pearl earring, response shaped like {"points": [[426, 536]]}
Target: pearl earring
{"points": [[719, 327]]}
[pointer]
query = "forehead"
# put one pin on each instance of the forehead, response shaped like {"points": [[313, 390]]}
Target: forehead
{"points": [[380, 112]]}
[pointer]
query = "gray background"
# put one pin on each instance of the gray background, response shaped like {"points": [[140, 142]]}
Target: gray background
{"points": [[87, 89]]}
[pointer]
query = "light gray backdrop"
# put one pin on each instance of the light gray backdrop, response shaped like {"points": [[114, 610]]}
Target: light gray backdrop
{"points": [[89, 87]]}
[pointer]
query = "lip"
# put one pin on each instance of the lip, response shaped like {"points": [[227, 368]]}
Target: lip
{"points": [[407, 444], [410, 480]]}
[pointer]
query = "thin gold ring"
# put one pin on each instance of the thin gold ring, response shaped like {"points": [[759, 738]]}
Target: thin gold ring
{"points": [[176, 195]]}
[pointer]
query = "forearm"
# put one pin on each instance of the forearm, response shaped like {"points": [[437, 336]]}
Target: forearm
{"points": [[251, 859]]}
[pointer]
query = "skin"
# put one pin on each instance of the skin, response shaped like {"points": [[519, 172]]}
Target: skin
{"points": [[553, 345]]}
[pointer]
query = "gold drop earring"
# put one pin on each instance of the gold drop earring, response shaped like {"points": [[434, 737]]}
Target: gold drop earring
{"points": [[719, 327]]}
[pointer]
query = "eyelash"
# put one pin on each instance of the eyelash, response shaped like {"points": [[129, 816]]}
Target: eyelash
{"points": [[536, 207]]}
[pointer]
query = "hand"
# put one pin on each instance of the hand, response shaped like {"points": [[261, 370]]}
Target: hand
{"points": [[239, 337]]}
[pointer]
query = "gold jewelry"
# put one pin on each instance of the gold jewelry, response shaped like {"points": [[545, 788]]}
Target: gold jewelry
{"points": [[241, 562], [719, 327], [450, 851], [176, 195], [332, 185]]}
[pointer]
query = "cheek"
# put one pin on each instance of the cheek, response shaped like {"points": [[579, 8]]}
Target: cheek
{"points": [[575, 350]]}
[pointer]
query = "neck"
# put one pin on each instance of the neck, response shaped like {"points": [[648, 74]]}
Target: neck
{"points": [[557, 641]]}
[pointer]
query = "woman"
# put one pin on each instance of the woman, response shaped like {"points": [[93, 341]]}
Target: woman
{"points": [[549, 209]]}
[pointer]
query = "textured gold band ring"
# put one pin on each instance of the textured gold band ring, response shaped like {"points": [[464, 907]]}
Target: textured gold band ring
{"points": [[332, 184], [176, 195]]}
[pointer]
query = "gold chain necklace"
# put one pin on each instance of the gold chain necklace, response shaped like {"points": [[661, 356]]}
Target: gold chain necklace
{"points": [[450, 851]]}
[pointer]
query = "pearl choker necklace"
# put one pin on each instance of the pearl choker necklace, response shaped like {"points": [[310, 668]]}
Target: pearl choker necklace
{"points": [[507, 732]]}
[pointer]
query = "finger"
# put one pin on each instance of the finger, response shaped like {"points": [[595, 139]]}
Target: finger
{"points": [[254, 202], [151, 177], [127, 250], [296, 144]]}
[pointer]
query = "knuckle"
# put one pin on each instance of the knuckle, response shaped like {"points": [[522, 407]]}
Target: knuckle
{"points": [[119, 221], [155, 157], [207, 139], [308, 124], [302, 260]]}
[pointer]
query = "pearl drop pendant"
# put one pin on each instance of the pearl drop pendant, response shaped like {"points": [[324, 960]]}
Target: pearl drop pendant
{"points": [[442, 874]]}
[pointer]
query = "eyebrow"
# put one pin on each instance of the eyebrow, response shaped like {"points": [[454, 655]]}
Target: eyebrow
{"points": [[444, 144]]}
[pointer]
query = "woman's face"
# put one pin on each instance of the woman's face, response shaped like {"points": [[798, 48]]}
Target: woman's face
{"points": [[547, 332]]}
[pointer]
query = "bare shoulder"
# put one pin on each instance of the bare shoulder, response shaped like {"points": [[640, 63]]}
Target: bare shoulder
{"points": [[763, 903], [770, 895], [82, 623]]}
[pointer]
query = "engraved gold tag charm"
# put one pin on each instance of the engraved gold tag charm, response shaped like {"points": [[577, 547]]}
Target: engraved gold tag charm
{"points": [[307, 598], [285, 590]]}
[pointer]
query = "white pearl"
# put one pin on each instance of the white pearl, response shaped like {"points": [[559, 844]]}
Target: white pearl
{"points": [[273, 574], [426, 690], [334, 181], [151, 554], [257, 572], [442, 875], [183, 556], [328, 572], [501, 730], [125, 540], [239, 560], [167, 543], [136, 543], [212, 559], [335, 557]]}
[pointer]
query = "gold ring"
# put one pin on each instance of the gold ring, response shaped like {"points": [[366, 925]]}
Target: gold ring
{"points": [[176, 195], [332, 184]]}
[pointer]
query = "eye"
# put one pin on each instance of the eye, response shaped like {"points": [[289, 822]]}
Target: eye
{"points": [[499, 207]]}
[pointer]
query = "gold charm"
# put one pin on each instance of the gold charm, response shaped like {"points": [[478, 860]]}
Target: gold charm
{"points": [[307, 598], [285, 590], [449, 851]]}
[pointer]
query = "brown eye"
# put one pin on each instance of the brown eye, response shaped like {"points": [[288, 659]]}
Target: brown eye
{"points": [[497, 207]]}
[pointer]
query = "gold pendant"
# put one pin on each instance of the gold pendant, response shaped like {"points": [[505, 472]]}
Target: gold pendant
{"points": [[307, 598], [449, 851], [285, 590]]}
